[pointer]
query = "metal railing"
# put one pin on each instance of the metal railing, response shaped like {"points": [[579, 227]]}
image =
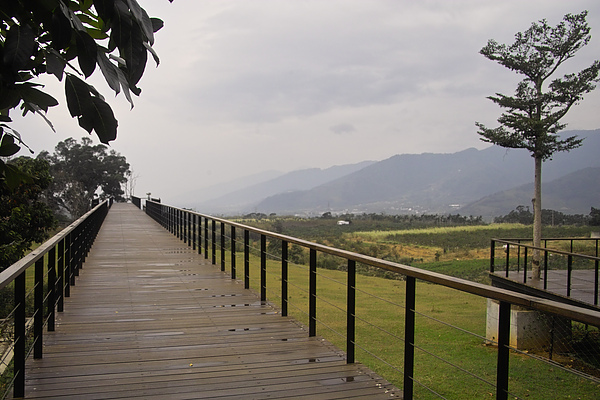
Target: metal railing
{"points": [[55, 265], [518, 259], [136, 202], [221, 239]]}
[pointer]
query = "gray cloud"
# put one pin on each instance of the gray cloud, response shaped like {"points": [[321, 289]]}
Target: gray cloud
{"points": [[343, 128], [261, 81]]}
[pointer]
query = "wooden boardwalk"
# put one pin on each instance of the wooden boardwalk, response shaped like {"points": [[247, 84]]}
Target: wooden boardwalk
{"points": [[582, 284], [151, 319]]}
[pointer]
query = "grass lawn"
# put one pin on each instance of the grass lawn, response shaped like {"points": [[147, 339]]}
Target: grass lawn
{"points": [[452, 357]]}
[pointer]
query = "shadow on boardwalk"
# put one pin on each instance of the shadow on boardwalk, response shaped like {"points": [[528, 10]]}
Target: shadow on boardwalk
{"points": [[151, 319]]}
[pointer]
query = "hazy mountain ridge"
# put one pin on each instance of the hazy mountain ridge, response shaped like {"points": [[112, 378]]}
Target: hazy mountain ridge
{"points": [[435, 183], [574, 193], [246, 198], [428, 182]]}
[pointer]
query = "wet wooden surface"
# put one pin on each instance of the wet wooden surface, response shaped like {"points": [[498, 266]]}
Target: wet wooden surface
{"points": [[582, 283], [149, 318]]}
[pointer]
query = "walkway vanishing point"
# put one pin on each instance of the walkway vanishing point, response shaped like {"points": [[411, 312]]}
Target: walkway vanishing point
{"points": [[151, 319]]}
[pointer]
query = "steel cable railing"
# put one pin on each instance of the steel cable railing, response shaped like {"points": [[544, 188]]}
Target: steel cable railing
{"points": [[209, 228], [62, 256]]}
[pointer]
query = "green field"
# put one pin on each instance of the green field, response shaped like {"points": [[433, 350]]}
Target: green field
{"points": [[444, 315], [447, 357]]}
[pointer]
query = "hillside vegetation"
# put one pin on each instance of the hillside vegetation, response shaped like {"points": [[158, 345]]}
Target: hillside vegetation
{"points": [[453, 245]]}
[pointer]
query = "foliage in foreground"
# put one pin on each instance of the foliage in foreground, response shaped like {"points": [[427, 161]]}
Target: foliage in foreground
{"points": [[25, 217], [46, 37]]}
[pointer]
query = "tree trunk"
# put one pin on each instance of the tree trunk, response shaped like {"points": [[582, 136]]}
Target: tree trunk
{"points": [[537, 218]]}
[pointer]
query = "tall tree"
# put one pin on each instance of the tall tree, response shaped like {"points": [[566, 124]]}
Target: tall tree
{"points": [[83, 171], [24, 216], [531, 119], [45, 37]]}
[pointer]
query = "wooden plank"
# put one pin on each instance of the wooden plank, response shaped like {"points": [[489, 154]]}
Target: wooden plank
{"points": [[149, 318], [582, 284]]}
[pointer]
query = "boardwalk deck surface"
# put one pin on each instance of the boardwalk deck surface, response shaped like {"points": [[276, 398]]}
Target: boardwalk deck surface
{"points": [[582, 283], [151, 319]]}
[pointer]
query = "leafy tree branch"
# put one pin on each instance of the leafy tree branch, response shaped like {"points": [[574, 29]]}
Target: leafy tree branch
{"points": [[532, 116], [70, 39]]}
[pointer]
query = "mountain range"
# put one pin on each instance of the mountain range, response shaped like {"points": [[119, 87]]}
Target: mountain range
{"points": [[486, 182]]}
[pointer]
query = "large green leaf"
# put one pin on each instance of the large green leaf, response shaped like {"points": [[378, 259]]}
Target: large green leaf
{"points": [[105, 9], [60, 29], [109, 70], [19, 46], [142, 19], [87, 52], [154, 54], [77, 94], [9, 97], [32, 95], [55, 63], [105, 123], [157, 24], [93, 112], [8, 147]]}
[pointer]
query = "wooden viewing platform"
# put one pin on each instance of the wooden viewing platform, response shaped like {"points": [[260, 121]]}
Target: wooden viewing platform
{"points": [[149, 318], [582, 293]]}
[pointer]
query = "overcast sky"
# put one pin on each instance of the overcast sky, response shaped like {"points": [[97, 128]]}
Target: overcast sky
{"points": [[248, 86]]}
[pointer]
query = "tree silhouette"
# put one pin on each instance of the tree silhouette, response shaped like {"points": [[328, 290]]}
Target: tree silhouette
{"points": [[47, 37], [531, 119]]}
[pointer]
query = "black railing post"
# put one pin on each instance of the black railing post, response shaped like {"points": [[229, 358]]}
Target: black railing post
{"points": [[19, 337], [75, 255], [263, 268], [409, 338], [69, 278], [284, 278], [596, 282], [492, 255], [222, 246], [184, 226], [518, 256], [351, 312], [507, 259], [214, 241], [193, 231], [189, 228], [545, 269], [75, 246], [61, 275], [52, 284], [233, 241], [569, 273], [180, 224], [169, 219], [503, 351], [312, 294], [246, 259], [525, 266], [186, 218], [38, 308], [199, 234], [80, 247], [206, 238]]}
